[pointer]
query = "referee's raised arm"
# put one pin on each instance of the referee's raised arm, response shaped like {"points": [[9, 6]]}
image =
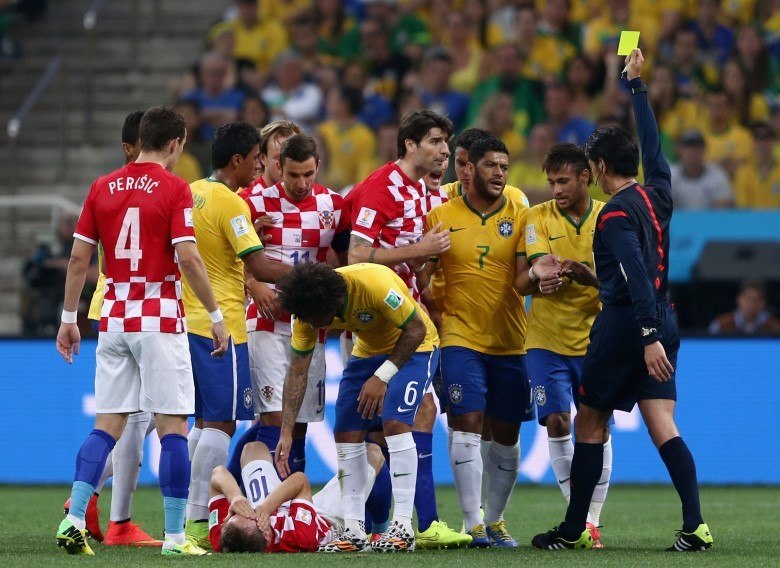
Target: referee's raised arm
{"points": [[656, 168]]}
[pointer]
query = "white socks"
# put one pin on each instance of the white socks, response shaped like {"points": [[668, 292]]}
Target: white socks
{"points": [[484, 449], [403, 469], [561, 453], [192, 440], [212, 450], [353, 470], [466, 463], [255, 477], [126, 457], [502, 465], [600, 492]]}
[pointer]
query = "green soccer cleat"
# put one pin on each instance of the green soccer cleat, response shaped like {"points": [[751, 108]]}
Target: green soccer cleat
{"points": [[552, 540], [170, 548], [697, 541], [73, 540], [439, 535], [197, 532]]}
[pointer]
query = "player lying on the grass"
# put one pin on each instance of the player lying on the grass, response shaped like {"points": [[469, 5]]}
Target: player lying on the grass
{"points": [[275, 515]]}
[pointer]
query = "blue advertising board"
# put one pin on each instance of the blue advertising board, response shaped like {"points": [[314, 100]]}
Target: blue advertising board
{"points": [[727, 391]]}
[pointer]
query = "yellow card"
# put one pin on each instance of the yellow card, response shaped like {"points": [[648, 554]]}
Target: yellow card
{"points": [[629, 41]]}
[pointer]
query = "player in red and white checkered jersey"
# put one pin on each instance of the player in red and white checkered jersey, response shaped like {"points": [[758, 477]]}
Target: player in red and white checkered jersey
{"points": [[141, 214], [308, 222], [388, 211], [272, 136]]}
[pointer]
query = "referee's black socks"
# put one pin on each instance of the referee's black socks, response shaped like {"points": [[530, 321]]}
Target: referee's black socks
{"points": [[585, 473], [682, 469]]}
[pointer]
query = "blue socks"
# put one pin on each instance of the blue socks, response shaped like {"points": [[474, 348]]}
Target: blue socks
{"points": [[425, 490], [90, 462], [379, 501], [174, 480], [682, 469], [585, 474], [269, 435], [297, 461]]}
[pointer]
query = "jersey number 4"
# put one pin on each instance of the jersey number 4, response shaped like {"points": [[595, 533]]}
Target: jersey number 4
{"points": [[128, 244]]}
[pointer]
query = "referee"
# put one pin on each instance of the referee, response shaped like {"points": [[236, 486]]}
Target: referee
{"points": [[634, 340]]}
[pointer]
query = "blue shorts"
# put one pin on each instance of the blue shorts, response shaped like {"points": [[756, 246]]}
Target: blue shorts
{"points": [[497, 385], [404, 391], [555, 379], [223, 388]]}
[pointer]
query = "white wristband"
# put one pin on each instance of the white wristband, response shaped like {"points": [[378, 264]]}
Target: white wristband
{"points": [[69, 317], [216, 316], [532, 275], [386, 371]]}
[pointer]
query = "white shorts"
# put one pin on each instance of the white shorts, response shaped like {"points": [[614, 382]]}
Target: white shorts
{"points": [[144, 370], [269, 359]]}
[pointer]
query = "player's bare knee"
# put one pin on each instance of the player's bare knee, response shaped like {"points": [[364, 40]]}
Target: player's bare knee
{"points": [[271, 419], [504, 433], [170, 424], [558, 424], [254, 451], [376, 458], [354, 437], [589, 425], [426, 415], [395, 427], [469, 422], [111, 424]]}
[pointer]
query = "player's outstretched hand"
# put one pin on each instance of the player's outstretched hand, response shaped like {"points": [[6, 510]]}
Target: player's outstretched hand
{"points": [[220, 335], [282, 455], [548, 269], [68, 341], [634, 61], [240, 506], [435, 242], [658, 365], [579, 272], [371, 398], [265, 299]]}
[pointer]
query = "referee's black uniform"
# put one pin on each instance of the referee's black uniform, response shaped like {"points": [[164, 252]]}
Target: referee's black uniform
{"points": [[631, 250]]}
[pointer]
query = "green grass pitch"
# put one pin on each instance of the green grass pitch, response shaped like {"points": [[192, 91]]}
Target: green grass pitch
{"points": [[639, 521]]}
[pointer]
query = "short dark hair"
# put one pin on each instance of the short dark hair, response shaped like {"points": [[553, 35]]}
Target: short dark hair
{"points": [[466, 138], [483, 146], [416, 124], [311, 291], [277, 128], [354, 99], [236, 539], [299, 148], [160, 125], [130, 127], [566, 155], [231, 139], [616, 148]]}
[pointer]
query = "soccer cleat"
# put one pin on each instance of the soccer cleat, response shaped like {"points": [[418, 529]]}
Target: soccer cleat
{"points": [[439, 535], [92, 517], [595, 534], [479, 537], [347, 541], [499, 536], [697, 541], [73, 540], [170, 548], [197, 532], [395, 539], [128, 534], [552, 540]]}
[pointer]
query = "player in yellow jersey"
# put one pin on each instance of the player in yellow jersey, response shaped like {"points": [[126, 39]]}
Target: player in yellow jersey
{"points": [[386, 377], [483, 330], [559, 324], [227, 242]]}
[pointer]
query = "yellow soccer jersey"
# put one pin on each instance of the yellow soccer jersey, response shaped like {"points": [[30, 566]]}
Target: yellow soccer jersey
{"points": [[224, 232], [347, 150], [96, 304], [455, 189], [753, 190], [561, 322], [482, 309], [377, 309]]}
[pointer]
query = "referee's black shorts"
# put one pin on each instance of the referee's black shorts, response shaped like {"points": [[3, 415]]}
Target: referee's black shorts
{"points": [[614, 374]]}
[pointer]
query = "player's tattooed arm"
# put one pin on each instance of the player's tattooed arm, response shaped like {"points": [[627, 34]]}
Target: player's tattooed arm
{"points": [[434, 242], [410, 339], [263, 269], [292, 397]]}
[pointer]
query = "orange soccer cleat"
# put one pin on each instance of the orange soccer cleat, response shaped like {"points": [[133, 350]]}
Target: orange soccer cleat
{"points": [[129, 534]]}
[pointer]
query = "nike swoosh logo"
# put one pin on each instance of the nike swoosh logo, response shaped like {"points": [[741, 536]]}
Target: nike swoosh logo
{"points": [[562, 481], [505, 469], [255, 471], [556, 238], [319, 411], [403, 410], [396, 474], [453, 230], [423, 456], [462, 462], [343, 475], [301, 460]]}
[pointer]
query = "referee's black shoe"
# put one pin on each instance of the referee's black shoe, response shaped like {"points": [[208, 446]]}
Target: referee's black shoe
{"points": [[697, 541], [552, 540]]}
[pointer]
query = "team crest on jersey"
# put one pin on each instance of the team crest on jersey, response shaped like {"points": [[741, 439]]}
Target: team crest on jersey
{"points": [[394, 299], [541, 396], [267, 392], [247, 398], [456, 394], [506, 227], [326, 218], [363, 316]]}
